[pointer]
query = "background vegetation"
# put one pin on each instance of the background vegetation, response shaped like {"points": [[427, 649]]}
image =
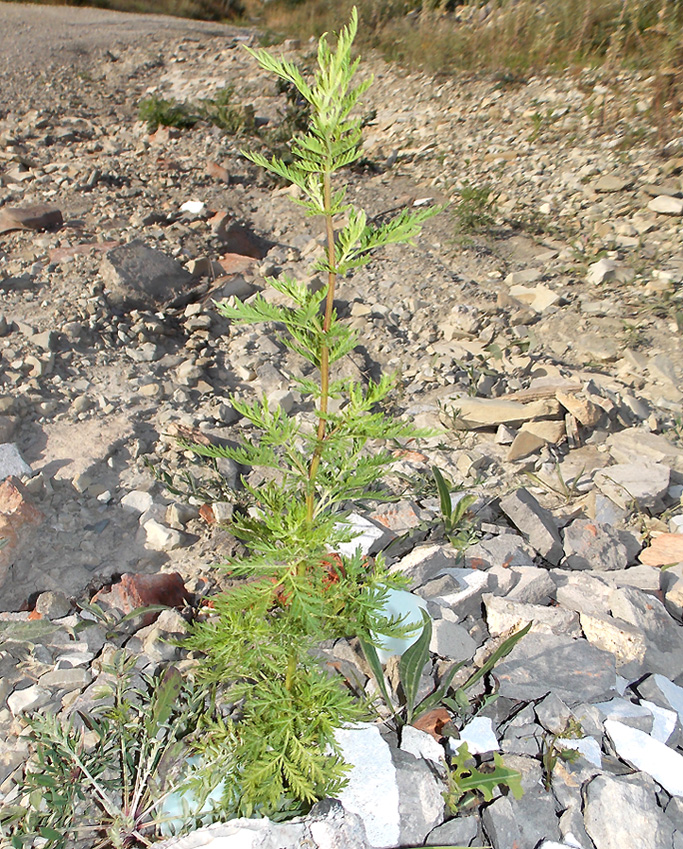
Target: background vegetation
{"points": [[509, 37]]}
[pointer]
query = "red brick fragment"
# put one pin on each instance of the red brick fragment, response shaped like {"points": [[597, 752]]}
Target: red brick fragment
{"points": [[433, 722], [134, 591], [218, 172], [235, 263]]}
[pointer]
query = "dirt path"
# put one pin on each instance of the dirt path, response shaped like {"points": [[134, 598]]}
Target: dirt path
{"points": [[39, 43]]}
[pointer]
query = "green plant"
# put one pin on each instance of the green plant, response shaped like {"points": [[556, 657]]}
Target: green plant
{"points": [[552, 752], [458, 528], [567, 491], [413, 662], [475, 210], [259, 641], [107, 776], [158, 112], [466, 781], [220, 111]]}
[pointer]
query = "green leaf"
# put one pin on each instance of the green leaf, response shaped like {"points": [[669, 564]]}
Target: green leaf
{"points": [[372, 658], [164, 701], [50, 833], [444, 493], [412, 663], [439, 695], [502, 651]]}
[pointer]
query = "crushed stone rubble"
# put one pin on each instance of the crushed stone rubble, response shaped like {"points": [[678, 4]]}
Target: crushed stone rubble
{"points": [[547, 353]]}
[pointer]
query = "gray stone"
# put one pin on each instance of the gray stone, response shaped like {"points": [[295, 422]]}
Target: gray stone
{"points": [[419, 744], [643, 752], [590, 545], [12, 463], [421, 802], [532, 585], [621, 812], [161, 538], [513, 823], [461, 831], [29, 699], [635, 445], [671, 584], [491, 412], [640, 577], [572, 669], [66, 679], [553, 713], [503, 615], [138, 275], [631, 714], [535, 523], [54, 605], [479, 736], [137, 501], [664, 638], [611, 183], [642, 484], [327, 826], [573, 830], [582, 592], [424, 563], [458, 589], [372, 791], [451, 640], [503, 550]]}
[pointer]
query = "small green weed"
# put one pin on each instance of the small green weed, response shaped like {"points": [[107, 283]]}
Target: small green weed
{"points": [[475, 210], [552, 752], [467, 783], [567, 491], [158, 112], [413, 662], [221, 111], [459, 529], [109, 774]]}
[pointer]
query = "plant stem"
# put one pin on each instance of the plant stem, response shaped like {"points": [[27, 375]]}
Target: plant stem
{"points": [[291, 672], [324, 348]]}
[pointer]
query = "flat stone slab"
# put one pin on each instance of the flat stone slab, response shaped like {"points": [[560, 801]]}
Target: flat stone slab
{"points": [[573, 670], [642, 751]]}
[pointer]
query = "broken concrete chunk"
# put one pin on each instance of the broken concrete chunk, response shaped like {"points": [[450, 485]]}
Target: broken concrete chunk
{"points": [[11, 462], [635, 445], [535, 523], [424, 563], [665, 205], [504, 550]]}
